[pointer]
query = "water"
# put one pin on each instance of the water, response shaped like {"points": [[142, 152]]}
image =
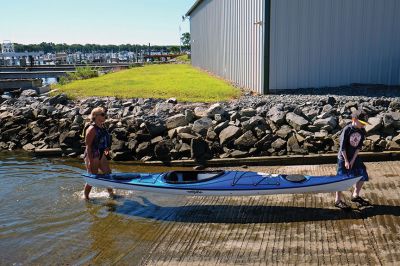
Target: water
{"points": [[44, 218], [49, 81]]}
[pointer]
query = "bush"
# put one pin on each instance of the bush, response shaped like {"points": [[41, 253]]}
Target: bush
{"points": [[183, 59], [80, 73]]}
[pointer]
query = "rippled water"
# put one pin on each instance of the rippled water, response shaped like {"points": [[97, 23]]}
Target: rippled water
{"points": [[44, 218]]}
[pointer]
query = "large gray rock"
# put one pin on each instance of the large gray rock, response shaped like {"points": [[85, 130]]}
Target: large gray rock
{"points": [[58, 99], [185, 129], [200, 111], [221, 126], [155, 127], [296, 121], [391, 120], [396, 139], [294, 146], [162, 150], [186, 136], [327, 108], [311, 112], [350, 104], [395, 105], [117, 145], [28, 147], [185, 150], [211, 135], [284, 131], [229, 134], [156, 140], [265, 142], [248, 112], [78, 120], [375, 124], [143, 149], [254, 122], [132, 144], [277, 115], [175, 121], [29, 93], [278, 144], [69, 139], [120, 133], [189, 114], [374, 138], [239, 154], [199, 150], [201, 125], [246, 140], [215, 109], [329, 121]]}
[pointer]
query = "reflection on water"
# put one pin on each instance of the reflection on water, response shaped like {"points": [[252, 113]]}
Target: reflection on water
{"points": [[43, 217], [49, 81]]}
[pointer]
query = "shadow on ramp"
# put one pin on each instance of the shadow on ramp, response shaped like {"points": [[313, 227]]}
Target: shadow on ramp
{"points": [[244, 214]]}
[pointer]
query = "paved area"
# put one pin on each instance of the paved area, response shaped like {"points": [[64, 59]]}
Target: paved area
{"points": [[285, 229]]}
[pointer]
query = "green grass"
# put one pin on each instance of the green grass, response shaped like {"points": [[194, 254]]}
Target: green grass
{"points": [[183, 82]]}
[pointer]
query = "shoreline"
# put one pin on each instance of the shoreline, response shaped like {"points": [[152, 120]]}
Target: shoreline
{"points": [[159, 130], [310, 159]]}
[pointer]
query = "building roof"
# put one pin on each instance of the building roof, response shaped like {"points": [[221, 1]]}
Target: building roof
{"points": [[194, 6]]}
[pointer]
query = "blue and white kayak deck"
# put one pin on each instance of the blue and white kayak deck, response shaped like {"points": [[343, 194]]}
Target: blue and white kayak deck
{"points": [[221, 183]]}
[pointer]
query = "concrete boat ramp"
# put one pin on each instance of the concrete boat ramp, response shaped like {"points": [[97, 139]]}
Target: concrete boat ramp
{"points": [[273, 230]]}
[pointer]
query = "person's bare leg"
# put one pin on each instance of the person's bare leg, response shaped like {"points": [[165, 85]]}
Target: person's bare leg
{"points": [[339, 196], [357, 188], [87, 190], [92, 170], [105, 168]]}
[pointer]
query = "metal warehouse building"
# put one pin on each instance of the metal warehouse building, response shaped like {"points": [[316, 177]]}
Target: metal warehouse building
{"points": [[268, 45]]}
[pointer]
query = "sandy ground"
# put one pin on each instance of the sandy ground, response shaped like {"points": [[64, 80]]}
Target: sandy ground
{"points": [[285, 229]]}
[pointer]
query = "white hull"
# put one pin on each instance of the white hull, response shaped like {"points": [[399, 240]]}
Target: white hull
{"points": [[324, 188]]}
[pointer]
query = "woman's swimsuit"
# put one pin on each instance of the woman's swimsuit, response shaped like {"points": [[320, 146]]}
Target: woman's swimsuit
{"points": [[101, 142]]}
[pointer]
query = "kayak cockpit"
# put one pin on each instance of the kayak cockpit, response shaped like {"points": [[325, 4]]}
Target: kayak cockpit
{"points": [[185, 177], [295, 178]]}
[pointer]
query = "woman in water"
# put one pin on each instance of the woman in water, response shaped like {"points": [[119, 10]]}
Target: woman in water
{"points": [[98, 143]]}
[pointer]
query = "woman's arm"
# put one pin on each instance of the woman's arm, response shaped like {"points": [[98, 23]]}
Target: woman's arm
{"points": [[90, 135]]}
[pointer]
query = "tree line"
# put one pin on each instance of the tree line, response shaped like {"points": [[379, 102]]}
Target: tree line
{"points": [[49, 47]]}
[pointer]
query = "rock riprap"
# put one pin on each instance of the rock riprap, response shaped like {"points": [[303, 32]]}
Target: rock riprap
{"points": [[156, 129]]}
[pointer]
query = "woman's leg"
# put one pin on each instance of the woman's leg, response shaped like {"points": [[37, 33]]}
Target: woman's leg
{"points": [[105, 168], [91, 170]]}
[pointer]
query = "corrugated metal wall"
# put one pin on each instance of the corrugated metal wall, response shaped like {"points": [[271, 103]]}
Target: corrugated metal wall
{"points": [[227, 42], [317, 43]]}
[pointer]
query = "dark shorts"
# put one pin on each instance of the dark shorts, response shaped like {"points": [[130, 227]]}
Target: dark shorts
{"points": [[358, 169]]}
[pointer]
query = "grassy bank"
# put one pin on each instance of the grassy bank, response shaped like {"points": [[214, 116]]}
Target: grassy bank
{"points": [[155, 81]]}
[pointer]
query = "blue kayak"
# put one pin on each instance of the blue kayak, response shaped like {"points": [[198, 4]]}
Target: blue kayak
{"points": [[221, 183]]}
